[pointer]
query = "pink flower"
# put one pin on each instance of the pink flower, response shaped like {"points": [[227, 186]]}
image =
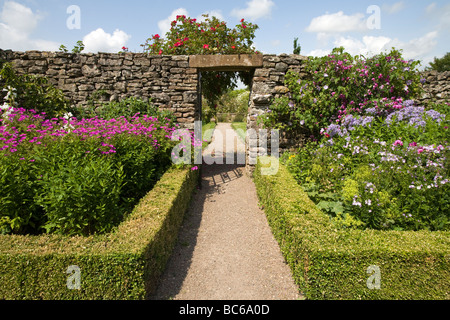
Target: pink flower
{"points": [[194, 168], [206, 46], [420, 150], [413, 144], [398, 143]]}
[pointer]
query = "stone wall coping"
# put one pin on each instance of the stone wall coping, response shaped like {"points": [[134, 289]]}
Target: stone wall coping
{"points": [[232, 62]]}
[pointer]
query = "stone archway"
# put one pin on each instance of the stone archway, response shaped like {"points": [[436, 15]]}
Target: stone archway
{"points": [[233, 63]]}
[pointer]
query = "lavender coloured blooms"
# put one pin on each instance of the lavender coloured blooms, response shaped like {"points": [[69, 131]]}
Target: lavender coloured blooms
{"points": [[415, 116]]}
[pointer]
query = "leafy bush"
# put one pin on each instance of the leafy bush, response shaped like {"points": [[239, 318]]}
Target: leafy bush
{"points": [[332, 263], [79, 195], [381, 172], [382, 161], [341, 84], [127, 108], [77, 176], [441, 64], [187, 36], [31, 92], [124, 264]]}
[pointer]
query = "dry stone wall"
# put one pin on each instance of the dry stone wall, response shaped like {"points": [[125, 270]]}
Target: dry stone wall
{"points": [[268, 84], [436, 86], [172, 82]]}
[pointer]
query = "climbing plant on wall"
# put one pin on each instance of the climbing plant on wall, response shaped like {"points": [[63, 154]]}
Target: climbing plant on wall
{"points": [[189, 36]]}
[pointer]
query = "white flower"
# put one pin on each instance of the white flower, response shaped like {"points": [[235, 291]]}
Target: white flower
{"points": [[5, 106], [68, 116]]}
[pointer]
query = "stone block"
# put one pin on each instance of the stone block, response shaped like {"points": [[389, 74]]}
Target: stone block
{"points": [[262, 99], [226, 62]]}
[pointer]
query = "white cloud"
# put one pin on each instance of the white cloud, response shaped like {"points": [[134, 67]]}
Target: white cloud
{"points": [[337, 22], [165, 24], [418, 48], [255, 9], [394, 8], [367, 46], [430, 8], [17, 23], [101, 41], [318, 53]]}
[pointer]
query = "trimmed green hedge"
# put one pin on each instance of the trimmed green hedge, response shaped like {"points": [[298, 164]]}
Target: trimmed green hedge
{"points": [[123, 264], [328, 263]]}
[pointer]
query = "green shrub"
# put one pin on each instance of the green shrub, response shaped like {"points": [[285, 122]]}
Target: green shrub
{"points": [[18, 186], [53, 170], [124, 264], [340, 84], [79, 195], [32, 92], [127, 108], [385, 172]]}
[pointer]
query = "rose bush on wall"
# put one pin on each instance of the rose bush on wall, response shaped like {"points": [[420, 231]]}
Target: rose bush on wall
{"points": [[188, 36]]}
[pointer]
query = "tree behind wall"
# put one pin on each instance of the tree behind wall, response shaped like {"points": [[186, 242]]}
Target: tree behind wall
{"points": [[441, 64]]}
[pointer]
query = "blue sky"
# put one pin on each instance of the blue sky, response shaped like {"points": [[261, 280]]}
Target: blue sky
{"points": [[420, 28]]}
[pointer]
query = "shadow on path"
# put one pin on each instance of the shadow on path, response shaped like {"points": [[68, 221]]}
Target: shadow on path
{"points": [[214, 177]]}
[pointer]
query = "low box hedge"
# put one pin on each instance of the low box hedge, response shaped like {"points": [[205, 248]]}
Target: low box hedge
{"points": [[331, 263], [121, 265]]}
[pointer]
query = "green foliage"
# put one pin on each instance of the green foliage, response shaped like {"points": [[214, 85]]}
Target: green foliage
{"points": [[340, 84], [441, 64], [127, 108], [188, 36], [216, 84], [329, 258], [77, 176], [18, 186], [388, 172], [234, 101], [32, 92], [297, 47], [79, 195], [122, 265], [78, 48], [63, 48]]}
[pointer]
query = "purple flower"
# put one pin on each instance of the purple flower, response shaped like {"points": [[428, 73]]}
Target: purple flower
{"points": [[398, 143]]}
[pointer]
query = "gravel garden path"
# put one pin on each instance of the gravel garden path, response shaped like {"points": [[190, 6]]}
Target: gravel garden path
{"points": [[225, 248]]}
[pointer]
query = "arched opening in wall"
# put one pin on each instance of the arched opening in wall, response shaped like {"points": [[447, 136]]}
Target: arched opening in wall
{"points": [[224, 106]]}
